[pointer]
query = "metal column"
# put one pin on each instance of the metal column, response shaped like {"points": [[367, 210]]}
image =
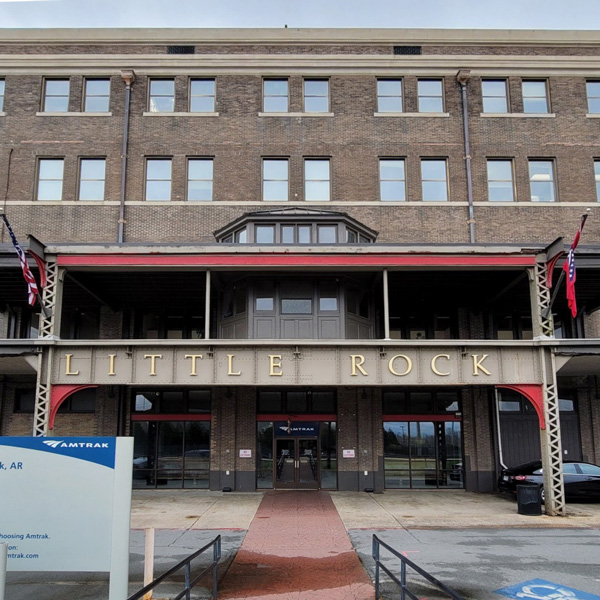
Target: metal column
{"points": [[49, 325], [550, 437]]}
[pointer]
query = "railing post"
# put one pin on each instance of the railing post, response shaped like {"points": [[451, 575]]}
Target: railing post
{"points": [[403, 580], [375, 553], [188, 595], [216, 557]]}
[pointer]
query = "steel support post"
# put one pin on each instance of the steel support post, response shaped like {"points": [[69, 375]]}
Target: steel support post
{"points": [[551, 446], [49, 325]]}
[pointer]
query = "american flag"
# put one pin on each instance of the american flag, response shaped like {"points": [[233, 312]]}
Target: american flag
{"points": [[32, 288], [569, 269]]}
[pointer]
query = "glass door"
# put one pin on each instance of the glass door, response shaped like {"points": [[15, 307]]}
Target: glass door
{"points": [[296, 463]]}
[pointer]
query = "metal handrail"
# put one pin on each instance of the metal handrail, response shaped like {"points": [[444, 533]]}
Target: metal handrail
{"points": [[405, 592], [216, 544]]}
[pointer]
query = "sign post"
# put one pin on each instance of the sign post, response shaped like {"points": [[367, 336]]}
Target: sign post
{"points": [[67, 505]]}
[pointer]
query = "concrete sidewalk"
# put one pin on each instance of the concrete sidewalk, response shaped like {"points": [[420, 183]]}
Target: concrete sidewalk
{"points": [[185, 520], [192, 509]]}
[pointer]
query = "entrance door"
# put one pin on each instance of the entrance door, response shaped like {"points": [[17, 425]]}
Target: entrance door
{"points": [[296, 463]]}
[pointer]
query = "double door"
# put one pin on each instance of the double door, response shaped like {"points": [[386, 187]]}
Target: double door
{"points": [[297, 463]]}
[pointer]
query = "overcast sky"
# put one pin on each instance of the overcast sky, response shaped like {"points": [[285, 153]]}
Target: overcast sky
{"points": [[500, 14]]}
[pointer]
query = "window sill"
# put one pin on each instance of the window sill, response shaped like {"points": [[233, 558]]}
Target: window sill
{"points": [[73, 114], [588, 116], [295, 114], [180, 114], [407, 114], [2, 114], [519, 115]]}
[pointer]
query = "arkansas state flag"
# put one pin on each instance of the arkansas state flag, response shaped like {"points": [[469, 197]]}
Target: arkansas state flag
{"points": [[569, 268]]}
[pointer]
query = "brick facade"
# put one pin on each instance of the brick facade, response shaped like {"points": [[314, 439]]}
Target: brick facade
{"points": [[352, 135]]}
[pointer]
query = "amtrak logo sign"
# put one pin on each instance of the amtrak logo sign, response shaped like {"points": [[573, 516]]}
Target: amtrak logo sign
{"points": [[100, 451], [63, 444]]}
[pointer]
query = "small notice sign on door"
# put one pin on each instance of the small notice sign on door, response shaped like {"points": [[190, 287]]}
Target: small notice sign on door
{"points": [[348, 453], [245, 453]]}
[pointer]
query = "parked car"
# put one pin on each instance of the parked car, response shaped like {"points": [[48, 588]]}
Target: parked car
{"points": [[582, 480]]}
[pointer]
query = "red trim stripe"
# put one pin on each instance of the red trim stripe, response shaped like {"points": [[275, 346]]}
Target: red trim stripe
{"points": [[292, 260]]}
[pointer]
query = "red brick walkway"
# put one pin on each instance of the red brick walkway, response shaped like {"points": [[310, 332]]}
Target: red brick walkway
{"points": [[296, 549]]}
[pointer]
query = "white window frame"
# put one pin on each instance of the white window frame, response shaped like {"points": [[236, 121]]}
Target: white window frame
{"points": [[147, 179], [87, 95], [492, 181], [545, 96], [2, 93], [307, 96], [60, 179], [151, 96], [308, 181], [594, 106], [495, 97], [189, 179], [425, 96], [381, 96], [382, 180], [65, 96], [213, 95], [597, 178], [82, 180], [445, 180], [552, 181], [266, 81], [265, 181]]}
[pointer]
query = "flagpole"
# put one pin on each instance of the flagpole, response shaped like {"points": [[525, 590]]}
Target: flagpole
{"points": [[546, 312]]}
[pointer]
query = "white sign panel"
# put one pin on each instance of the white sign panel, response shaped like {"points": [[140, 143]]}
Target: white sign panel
{"points": [[348, 453], [65, 502], [245, 453]]}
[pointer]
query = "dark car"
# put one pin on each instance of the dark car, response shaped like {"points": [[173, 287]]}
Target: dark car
{"points": [[582, 480]]}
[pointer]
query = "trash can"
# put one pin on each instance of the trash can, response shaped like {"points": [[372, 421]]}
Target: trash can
{"points": [[529, 499]]}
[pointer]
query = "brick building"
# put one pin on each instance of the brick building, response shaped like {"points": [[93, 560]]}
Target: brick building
{"points": [[304, 258]]}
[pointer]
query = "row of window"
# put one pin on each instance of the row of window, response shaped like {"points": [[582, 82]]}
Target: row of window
{"points": [[317, 179], [316, 96]]}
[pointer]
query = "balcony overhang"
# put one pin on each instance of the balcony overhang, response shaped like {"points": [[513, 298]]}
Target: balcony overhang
{"points": [[18, 359]]}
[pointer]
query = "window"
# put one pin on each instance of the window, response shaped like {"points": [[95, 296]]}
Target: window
{"points": [[431, 99], [83, 401], [92, 175], [316, 179], [326, 234], [275, 179], [316, 95], [500, 181], [24, 400], [541, 180], [158, 179], [162, 95], [535, 97], [494, 95], [264, 234], [56, 95], [1, 95], [389, 95], [50, 178], [202, 95], [597, 178], [295, 234], [97, 95], [392, 180], [434, 180], [200, 180], [593, 97], [275, 95]]}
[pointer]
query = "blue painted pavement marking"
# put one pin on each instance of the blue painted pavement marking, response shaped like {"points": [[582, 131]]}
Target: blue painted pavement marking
{"points": [[539, 589]]}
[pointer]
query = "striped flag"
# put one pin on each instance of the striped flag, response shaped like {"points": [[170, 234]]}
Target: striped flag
{"points": [[32, 288], [569, 269]]}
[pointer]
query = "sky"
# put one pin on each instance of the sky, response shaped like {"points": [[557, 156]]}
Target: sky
{"points": [[464, 14]]}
